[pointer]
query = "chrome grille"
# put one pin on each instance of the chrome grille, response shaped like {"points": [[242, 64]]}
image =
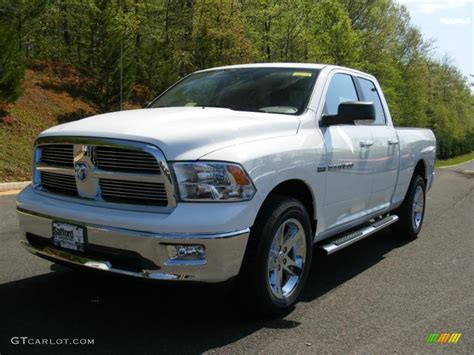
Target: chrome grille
{"points": [[103, 171], [59, 183], [125, 159], [58, 154], [133, 192]]}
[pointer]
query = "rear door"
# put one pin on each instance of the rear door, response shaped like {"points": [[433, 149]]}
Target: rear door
{"points": [[384, 154], [348, 149]]}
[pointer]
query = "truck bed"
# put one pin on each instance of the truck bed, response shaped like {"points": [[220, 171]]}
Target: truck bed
{"points": [[415, 144]]}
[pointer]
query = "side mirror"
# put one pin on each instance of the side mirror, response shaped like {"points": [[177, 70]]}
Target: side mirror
{"points": [[349, 112]]}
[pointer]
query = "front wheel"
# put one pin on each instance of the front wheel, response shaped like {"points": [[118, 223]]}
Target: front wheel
{"points": [[412, 210], [278, 256]]}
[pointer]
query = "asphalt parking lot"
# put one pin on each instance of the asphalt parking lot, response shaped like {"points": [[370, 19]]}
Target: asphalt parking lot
{"points": [[379, 296]]}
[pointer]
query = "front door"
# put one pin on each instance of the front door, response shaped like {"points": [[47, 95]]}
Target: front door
{"points": [[348, 147]]}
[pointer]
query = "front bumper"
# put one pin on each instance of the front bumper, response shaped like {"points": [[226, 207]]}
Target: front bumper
{"points": [[138, 253]]}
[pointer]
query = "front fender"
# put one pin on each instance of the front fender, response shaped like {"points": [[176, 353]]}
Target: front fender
{"points": [[271, 162]]}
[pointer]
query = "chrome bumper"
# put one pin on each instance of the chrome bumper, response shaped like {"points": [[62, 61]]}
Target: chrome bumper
{"points": [[223, 252]]}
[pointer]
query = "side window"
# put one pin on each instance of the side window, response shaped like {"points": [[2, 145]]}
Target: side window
{"points": [[370, 94], [341, 89]]}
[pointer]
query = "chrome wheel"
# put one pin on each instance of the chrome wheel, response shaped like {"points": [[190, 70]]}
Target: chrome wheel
{"points": [[418, 207], [286, 259]]}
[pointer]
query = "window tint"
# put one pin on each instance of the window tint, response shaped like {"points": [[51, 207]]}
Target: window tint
{"points": [[341, 89], [370, 94]]}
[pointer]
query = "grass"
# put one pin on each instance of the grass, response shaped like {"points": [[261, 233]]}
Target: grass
{"points": [[36, 110], [456, 160], [47, 101]]}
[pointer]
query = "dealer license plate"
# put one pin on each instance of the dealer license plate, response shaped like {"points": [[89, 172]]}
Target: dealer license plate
{"points": [[69, 236]]}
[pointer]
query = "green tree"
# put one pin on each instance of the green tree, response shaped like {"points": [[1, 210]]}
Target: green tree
{"points": [[112, 61], [220, 36], [333, 40], [11, 71], [21, 17]]}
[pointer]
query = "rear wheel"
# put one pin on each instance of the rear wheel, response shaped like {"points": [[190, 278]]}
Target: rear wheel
{"points": [[278, 256], [412, 210]]}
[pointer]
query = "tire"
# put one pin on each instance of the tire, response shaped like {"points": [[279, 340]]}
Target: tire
{"points": [[278, 253], [412, 211]]}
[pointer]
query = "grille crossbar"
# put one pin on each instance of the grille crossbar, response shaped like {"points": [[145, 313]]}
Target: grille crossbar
{"points": [[59, 183], [58, 154], [125, 159], [113, 190]]}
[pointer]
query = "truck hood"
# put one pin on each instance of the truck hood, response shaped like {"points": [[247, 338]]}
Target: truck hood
{"points": [[182, 133]]}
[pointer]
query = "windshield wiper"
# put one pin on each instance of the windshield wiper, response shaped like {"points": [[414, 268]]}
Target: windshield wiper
{"points": [[234, 108], [218, 106]]}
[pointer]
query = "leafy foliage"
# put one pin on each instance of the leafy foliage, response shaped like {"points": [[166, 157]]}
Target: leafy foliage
{"points": [[149, 44], [11, 70]]}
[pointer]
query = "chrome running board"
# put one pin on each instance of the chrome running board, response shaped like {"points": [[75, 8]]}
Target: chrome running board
{"points": [[345, 240]]}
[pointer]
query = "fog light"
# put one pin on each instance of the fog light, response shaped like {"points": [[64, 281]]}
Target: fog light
{"points": [[186, 252]]}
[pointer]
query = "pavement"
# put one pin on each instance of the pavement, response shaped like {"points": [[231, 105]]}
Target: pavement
{"points": [[378, 296], [9, 187]]}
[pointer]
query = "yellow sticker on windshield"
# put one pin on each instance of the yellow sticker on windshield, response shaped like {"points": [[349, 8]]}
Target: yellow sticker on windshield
{"points": [[302, 73]]}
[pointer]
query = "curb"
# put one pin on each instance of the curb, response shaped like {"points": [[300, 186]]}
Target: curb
{"points": [[12, 186], [452, 166]]}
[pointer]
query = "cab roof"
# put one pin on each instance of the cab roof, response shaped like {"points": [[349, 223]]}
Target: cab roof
{"points": [[271, 65], [286, 65]]}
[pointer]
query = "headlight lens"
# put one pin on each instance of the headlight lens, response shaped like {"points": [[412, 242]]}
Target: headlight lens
{"points": [[212, 181]]}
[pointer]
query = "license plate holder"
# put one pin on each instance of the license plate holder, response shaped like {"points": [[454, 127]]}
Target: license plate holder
{"points": [[69, 236]]}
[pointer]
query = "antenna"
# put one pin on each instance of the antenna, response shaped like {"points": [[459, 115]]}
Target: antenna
{"points": [[121, 74]]}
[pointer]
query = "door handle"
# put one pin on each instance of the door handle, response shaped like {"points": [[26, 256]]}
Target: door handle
{"points": [[366, 144], [392, 142]]}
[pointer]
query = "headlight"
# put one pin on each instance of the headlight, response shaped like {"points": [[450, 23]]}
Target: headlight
{"points": [[212, 181]]}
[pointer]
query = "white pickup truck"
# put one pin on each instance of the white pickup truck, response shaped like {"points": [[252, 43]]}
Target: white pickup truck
{"points": [[237, 172]]}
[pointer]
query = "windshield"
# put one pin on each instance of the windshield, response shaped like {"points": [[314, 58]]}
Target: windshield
{"points": [[273, 90]]}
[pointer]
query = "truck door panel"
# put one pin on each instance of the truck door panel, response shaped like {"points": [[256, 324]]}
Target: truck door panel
{"points": [[348, 166], [384, 154]]}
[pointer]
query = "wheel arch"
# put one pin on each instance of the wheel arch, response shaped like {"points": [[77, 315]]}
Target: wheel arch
{"points": [[299, 190], [421, 169]]}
